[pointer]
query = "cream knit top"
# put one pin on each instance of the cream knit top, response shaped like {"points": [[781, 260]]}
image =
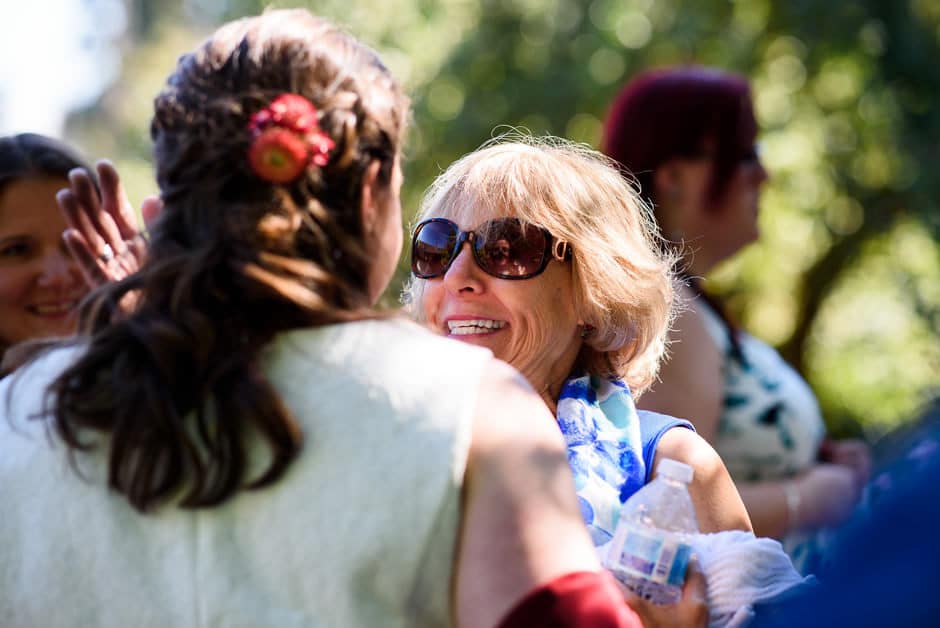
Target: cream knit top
{"points": [[361, 530]]}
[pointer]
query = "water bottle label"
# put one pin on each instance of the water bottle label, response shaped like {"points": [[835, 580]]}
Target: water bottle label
{"points": [[660, 558]]}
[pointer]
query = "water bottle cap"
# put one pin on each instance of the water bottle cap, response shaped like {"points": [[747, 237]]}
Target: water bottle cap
{"points": [[674, 469]]}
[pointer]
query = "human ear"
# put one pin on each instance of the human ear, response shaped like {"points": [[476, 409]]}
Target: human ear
{"points": [[371, 191], [668, 183]]}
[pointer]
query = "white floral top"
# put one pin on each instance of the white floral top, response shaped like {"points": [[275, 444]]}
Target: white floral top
{"points": [[771, 426]]}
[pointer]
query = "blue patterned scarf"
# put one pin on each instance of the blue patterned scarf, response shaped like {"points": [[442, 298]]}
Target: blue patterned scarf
{"points": [[602, 430]]}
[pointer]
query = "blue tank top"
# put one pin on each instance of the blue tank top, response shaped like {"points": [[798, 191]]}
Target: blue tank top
{"points": [[611, 448], [652, 427]]}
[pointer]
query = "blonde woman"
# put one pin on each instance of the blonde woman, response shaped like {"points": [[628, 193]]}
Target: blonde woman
{"points": [[540, 251]]}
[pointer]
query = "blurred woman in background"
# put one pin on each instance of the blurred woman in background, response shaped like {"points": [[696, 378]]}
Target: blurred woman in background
{"points": [[688, 134], [40, 284]]}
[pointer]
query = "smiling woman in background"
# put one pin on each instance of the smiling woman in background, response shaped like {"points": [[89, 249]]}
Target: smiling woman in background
{"points": [[40, 285]]}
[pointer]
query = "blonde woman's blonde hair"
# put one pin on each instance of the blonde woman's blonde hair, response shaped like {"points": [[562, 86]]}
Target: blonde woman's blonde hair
{"points": [[623, 281]]}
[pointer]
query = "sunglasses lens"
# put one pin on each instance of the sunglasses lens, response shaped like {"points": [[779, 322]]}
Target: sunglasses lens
{"points": [[509, 248], [432, 248]]}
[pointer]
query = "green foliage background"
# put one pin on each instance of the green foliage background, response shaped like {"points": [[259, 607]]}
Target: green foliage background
{"points": [[846, 278]]}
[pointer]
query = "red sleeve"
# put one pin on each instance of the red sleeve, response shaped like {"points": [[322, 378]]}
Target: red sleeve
{"points": [[584, 599]]}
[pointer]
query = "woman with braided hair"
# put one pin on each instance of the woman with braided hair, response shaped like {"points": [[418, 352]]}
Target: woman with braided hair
{"points": [[235, 445]]}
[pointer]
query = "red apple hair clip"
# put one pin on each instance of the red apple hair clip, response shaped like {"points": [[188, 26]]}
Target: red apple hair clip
{"points": [[286, 139]]}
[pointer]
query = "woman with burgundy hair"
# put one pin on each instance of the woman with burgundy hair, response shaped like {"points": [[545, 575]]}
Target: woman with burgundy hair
{"points": [[688, 136]]}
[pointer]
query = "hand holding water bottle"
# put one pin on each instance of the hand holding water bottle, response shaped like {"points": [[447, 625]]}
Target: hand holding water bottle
{"points": [[691, 611], [651, 549]]}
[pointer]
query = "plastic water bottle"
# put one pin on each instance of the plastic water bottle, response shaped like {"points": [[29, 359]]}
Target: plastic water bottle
{"points": [[650, 549]]}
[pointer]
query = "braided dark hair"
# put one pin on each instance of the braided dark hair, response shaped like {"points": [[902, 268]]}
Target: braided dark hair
{"points": [[233, 261]]}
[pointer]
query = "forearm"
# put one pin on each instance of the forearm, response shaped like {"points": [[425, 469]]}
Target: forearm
{"points": [[767, 504]]}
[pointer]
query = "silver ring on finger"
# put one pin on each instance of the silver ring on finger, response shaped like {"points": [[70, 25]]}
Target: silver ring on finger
{"points": [[107, 254]]}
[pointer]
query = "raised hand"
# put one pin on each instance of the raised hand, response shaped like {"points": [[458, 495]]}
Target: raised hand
{"points": [[103, 234]]}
